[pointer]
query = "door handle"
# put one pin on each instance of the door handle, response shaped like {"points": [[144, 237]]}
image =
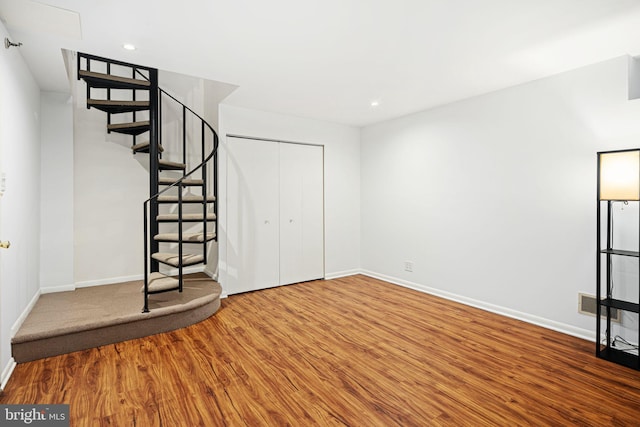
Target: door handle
{"points": [[5, 245]]}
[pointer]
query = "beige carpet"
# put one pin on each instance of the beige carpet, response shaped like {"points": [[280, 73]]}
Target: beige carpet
{"points": [[64, 322]]}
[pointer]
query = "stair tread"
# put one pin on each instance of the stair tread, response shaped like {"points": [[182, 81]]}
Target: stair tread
{"points": [[167, 165], [186, 237], [117, 106], [131, 128], [117, 102], [114, 126], [186, 217], [186, 182], [173, 259], [159, 282], [186, 198], [102, 80], [143, 147]]}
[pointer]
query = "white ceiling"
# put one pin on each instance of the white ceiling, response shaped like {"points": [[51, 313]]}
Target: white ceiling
{"points": [[328, 59]]}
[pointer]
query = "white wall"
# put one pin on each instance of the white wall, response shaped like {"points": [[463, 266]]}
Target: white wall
{"points": [[56, 222], [110, 184], [493, 198], [342, 178], [20, 205]]}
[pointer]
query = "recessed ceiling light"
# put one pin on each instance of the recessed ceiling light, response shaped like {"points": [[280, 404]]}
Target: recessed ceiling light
{"points": [[375, 103], [129, 46]]}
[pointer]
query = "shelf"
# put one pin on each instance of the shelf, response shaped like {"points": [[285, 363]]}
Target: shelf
{"points": [[620, 252], [624, 358], [610, 188], [621, 305]]}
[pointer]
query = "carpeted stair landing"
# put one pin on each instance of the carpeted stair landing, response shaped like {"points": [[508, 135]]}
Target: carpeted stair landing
{"points": [[65, 322]]}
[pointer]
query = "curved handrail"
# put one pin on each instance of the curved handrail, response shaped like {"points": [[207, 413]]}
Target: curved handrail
{"points": [[192, 112], [178, 184]]}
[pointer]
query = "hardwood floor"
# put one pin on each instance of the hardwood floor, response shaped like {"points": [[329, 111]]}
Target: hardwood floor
{"points": [[353, 351]]}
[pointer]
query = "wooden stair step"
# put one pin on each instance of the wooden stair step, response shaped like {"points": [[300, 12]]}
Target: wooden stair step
{"points": [[186, 237], [132, 128], [167, 165], [143, 147], [174, 260], [185, 183], [159, 282], [104, 81], [186, 198], [114, 106], [196, 217]]}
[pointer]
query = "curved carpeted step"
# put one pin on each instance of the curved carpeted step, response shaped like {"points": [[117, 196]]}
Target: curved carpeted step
{"points": [[186, 198], [115, 106], [101, 315], [174, 260], [185, 183], [133, 128], [186, 237], [197, 217], [167, 165], [159, 282], [143, 147]]}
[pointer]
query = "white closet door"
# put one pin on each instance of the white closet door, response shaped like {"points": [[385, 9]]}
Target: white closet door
{"points": [[301, 213], [252, 215]]}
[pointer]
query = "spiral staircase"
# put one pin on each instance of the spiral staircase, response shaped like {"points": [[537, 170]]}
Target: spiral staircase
{"points": [[179, 222], [180, 213]]}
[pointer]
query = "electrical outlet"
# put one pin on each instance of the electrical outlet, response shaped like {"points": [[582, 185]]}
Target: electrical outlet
{"points": [[408, 266]]}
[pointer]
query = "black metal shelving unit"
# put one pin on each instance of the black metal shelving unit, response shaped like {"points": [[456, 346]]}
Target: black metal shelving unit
{"points": [[606, 348]]}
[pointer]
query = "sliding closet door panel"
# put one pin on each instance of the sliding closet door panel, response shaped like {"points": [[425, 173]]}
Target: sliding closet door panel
{"points": [[252, 215], [313, 213], [301, 213]]}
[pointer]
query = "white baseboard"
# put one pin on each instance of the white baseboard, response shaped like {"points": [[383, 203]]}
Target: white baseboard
{"points": [[54, 289], [122, 279], [6, 373], [8, 370], [210, 273], [514, 314], [108, 281], [23, 316], [338, 274]]}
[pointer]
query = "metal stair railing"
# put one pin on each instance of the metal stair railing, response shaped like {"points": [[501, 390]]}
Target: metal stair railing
{"points": [[136, 70], [212, 156]]}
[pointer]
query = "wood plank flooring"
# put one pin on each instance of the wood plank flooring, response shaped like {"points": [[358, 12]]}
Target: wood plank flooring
{"points": [[353, 351]]}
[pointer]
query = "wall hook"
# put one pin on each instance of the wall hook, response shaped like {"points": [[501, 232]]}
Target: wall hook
{"points": [[8, 43]]}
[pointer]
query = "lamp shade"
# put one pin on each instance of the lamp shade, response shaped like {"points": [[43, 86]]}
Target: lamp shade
{"points": [[619, 177]]}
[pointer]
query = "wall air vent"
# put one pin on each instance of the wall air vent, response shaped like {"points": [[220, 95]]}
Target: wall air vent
{"points": [[587, 305]]}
